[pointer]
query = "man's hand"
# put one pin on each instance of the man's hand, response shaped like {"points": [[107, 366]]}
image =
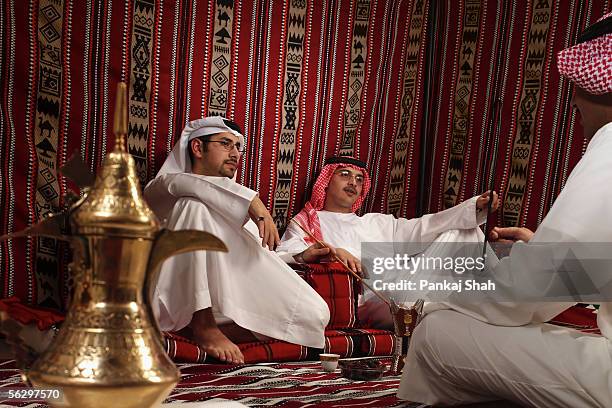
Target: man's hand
{"points": [[267, 230], [314, 253], [482, 202], [353, 262], [510, 234]]}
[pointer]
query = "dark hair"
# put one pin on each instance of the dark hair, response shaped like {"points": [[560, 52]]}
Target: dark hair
{"points": [[599, 29], [232, 125], [204, 145]]}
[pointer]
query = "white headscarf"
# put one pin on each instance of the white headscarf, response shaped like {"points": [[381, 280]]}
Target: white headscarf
{"points": [[178, 160]]}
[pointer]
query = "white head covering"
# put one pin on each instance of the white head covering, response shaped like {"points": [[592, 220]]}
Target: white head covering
{"points": [[178, 160]]}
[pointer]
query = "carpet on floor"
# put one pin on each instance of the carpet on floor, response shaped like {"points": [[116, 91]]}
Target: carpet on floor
{"points": [[262, 385]]}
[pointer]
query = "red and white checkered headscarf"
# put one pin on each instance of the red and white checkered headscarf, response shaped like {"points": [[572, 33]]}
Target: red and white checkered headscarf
{"points": [[308, 217], [588, 64]]}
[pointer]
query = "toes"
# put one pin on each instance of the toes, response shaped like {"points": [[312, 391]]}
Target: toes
{"points": [[237, 356], [216, 353]]}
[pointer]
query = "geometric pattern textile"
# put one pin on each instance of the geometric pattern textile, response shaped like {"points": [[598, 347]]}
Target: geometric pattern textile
{"points": [[287, 385], [305, 79], [261, 385], [292, 384], [345, 342], [514, 62]]}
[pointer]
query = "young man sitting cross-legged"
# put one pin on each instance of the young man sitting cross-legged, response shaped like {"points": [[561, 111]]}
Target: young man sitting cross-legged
{"points": [[221, 298]]}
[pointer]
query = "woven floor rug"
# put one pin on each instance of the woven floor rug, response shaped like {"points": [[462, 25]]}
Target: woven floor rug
{"points": [[286, 384], [261, 385], [289, 385]]}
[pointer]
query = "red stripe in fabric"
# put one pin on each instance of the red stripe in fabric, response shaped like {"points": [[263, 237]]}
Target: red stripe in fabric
{"points": [[126, 41], [409, 198], [65, 102]]}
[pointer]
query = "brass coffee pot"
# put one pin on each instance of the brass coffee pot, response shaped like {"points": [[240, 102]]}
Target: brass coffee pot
{"points": [[109, 351]]}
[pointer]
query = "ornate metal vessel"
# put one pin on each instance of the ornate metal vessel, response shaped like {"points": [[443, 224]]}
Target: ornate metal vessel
{"points": [[405, 321], [109, 350]]}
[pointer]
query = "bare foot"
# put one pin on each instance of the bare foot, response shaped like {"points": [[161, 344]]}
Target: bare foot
{"points": [[212, 340]]}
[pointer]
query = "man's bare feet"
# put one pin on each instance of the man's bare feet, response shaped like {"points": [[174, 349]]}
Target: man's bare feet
{"points": [[212, 340]]}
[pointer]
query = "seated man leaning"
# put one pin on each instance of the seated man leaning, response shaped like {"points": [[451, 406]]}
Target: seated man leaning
{"points": [[330, 217], [498, 349], [218, 298]]}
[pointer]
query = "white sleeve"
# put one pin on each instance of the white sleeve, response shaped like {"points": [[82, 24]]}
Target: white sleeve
{"points": [[428, 227], [221, 194], [292, 243], [580, 215], [528, 270]]}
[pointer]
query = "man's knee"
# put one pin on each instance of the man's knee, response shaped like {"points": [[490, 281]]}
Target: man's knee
{"points": [[322, 311], [316, 307], [432, 330]]}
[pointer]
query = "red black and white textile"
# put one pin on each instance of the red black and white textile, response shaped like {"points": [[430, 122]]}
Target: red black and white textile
{"points": [[289, 385], [337, 288], [348, 342], [304, 81]]}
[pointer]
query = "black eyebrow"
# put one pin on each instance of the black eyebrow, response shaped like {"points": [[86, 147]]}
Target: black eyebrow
{"points": [[227, 139]]}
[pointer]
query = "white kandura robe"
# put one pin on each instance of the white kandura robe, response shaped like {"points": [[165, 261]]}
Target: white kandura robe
{"points": [[349, 231], [463, 355], [250, 284]]}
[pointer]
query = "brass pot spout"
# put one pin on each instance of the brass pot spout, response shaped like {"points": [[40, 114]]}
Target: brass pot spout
{"points": [[169, 243]]}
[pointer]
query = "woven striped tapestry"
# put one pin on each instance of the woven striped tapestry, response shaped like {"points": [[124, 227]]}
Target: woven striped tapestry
{"points": [[504, 51], [406, 85]]}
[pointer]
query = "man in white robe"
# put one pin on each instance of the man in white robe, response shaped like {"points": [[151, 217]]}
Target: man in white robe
{"points": [[330, 216], [475, 351], [204, 292]]}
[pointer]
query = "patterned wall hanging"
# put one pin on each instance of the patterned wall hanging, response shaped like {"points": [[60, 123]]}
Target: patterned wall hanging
{"points": [[463, 91], [403, 143], [305, 79], [46, 139]]}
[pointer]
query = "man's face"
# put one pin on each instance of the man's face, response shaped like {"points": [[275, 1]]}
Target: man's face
{"points": [[215, 159], [343, 190], [594, 110]]}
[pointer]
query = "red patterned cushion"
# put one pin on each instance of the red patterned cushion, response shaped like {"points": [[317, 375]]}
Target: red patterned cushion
{"points": [[346, 342], [336, 286], [359, 342], [43, 318], [182, 350]]}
